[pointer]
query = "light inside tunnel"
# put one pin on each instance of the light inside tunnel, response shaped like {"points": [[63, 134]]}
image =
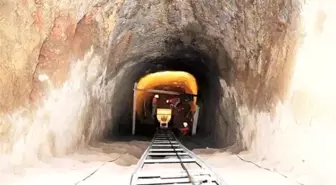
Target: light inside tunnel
{"points": [[191, 69], [178, 81]]}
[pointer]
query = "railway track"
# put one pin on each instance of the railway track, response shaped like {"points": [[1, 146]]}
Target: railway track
{"points": [[167, 161]]}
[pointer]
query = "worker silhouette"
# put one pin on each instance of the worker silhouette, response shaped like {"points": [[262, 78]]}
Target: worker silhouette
{"points": [[154, 104], [174, 102], [185, 129]]}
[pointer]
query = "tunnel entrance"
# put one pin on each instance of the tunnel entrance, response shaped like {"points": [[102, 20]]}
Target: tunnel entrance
{"points": [[165, 100], [188, 60]]}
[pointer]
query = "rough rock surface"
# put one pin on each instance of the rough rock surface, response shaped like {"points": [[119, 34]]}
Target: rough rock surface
{"points": [[41, 37], [253, 45]]}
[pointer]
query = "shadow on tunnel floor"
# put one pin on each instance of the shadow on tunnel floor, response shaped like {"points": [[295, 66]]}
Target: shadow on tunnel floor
{"points": [[200, 145], [145, 132], [128, 138], [196, 142]]}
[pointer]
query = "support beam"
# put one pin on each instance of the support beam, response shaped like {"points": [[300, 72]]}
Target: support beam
{"points": [[134, 109], [162, 91], [158, 91], [194, 127]]}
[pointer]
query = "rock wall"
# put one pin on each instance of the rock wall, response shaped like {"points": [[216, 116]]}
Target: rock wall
{"points": [[67, 42], [82, 45], [252, 43], [296, 138], [42, 37]]}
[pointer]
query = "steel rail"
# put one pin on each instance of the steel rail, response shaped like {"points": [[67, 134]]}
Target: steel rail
{"points": [[170, 150]]}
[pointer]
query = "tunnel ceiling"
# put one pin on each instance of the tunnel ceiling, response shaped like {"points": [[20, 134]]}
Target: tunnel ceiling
{"points": [[249, 51]]}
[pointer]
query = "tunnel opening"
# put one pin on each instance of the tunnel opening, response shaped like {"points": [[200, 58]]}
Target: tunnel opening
{"points": [[165, 99], [189, 60]]}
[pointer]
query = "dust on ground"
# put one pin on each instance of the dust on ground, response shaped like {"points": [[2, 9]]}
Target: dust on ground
{"points": [[102, 162], [114, 162]]}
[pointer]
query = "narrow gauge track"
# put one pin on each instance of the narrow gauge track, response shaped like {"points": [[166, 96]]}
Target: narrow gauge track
{"points": [[167, 161]]}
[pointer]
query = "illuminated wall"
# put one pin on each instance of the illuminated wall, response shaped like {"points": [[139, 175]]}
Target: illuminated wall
{"points": [[166, 78]]}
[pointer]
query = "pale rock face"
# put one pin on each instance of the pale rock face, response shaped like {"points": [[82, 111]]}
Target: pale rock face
{"points": [[41, 37], [247, 50]]}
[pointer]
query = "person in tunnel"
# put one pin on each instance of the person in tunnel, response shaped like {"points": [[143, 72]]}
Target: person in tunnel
{"points": [[182, 119], [185, 129], [188, 116], [154, 105], [174, 101]]}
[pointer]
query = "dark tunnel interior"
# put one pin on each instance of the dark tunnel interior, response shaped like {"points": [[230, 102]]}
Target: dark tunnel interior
{"points": [[190, 60]]}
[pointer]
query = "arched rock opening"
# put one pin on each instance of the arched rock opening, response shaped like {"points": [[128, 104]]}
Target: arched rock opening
{"points": [[188, 59], [240, 52]]}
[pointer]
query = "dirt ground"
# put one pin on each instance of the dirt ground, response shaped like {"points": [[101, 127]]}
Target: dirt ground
{"points": [[114, 162]]}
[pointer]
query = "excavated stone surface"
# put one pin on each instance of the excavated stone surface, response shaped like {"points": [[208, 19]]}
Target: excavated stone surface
{"points": [[42, 37], [253, 43]]}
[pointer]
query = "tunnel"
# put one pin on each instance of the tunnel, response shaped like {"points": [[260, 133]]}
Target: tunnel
{"points": [[238, 70], [264, 74], [190, 60]]}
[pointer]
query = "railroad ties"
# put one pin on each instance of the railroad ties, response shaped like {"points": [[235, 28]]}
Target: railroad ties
{"points": [[167, 161]]}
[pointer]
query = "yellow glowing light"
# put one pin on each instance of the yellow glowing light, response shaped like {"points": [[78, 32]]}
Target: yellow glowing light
{"points": [[166, 78]]}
